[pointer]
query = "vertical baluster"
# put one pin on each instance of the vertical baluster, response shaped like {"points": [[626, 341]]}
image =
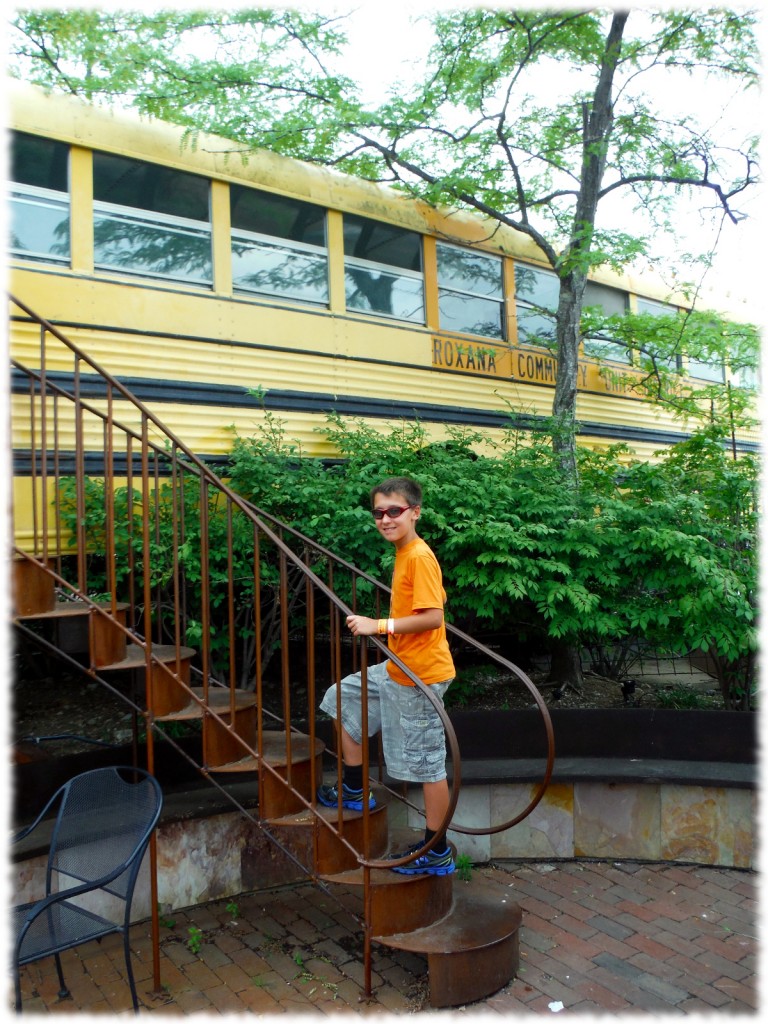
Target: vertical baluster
{"points": [[231, 633], [176, 573], [57, 480], [205, 638], [284, 657], [180, 531], [146, 538], [310, 597], [257, 632], [130, 527], [43, 449], [33, 465], [149, 675], [80, 528], [109, 501], [154, 612]]}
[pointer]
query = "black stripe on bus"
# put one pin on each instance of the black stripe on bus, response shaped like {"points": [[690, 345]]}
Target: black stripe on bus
{"points": [[281, 400]]}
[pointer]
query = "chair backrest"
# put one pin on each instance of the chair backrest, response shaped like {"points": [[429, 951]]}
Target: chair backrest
{"points": [[103, 826]]}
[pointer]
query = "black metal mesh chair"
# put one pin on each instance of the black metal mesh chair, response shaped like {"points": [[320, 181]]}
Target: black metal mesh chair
{"points": [[101, 832]]}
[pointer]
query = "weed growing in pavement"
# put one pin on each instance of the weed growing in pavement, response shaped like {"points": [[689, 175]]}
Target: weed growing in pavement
{"points": [[195, 940], [464, 867], [163, 920]]}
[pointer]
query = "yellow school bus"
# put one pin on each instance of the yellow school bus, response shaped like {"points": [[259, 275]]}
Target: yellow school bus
{"points": [[217, 285]]}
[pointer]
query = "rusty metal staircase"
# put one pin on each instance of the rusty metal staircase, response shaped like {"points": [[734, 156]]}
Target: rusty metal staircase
{"points": [[114, 564]]}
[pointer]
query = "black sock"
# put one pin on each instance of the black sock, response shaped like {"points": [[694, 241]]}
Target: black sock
{"points": [[353, 776], [439, 847]]}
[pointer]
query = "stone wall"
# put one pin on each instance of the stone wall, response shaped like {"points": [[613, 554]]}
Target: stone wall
{"points": [[224, 854], [606, 820]]}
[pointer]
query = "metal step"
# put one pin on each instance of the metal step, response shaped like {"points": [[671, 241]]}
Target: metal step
{"points": [[472, 951], [73, 621], [33, 587], [326, 854], [170, 665], [401, 902]]}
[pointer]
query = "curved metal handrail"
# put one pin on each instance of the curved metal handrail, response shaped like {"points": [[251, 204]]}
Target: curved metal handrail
{"points": [[470, 641], [273, 529]]}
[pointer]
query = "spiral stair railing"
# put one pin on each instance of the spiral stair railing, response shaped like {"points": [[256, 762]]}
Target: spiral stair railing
{"points": [[104, 490]]}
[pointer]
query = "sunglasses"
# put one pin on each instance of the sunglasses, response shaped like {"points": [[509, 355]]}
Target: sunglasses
{"points": [[394, 511]]}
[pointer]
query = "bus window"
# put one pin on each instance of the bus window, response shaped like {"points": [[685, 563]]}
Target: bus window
{"points": [[470, 291], [39, 200], [702, 370], [747, 377], [278, 246], [383, 269], [151, 220], [536, 297], [673, 362], [612, 302]]}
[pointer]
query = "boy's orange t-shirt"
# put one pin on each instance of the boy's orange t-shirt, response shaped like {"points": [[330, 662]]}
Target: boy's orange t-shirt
{"points": [[417, 583]]}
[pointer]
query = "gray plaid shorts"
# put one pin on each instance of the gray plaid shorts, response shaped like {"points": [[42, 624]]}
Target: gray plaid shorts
{"points": [[411, 731]]}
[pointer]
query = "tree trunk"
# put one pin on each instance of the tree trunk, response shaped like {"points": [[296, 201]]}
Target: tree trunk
{"points": [[575, 262], [564, 404], [572, 270], [565, 667]]}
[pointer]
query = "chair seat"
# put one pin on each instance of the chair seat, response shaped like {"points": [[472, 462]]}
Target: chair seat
{"points": [[104, 823], [61, 927]]}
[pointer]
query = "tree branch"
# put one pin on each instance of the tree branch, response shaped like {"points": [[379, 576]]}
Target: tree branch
{"points": [[468, 198], [701, 182]]}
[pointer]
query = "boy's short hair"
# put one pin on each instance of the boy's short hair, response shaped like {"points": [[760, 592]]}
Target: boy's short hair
{"points": [[409, 489]]}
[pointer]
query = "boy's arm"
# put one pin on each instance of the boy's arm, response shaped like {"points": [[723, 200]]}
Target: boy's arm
{"points": [[419, 622]]}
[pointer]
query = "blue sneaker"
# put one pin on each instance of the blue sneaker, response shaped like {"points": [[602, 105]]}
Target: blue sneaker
{"points": [[429, 863], [352, 799]]}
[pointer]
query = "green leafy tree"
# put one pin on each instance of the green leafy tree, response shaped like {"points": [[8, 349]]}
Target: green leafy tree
{"points": [[483, 129], [657, 555]]}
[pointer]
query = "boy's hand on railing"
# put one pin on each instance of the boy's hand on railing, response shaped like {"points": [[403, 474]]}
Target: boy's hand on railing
{"points": [[359, 625]]}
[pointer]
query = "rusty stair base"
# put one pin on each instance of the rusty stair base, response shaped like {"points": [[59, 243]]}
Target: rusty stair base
{"points": [[469, 936], [231, 722], [169, 664], [300, 831], [33, 588], [109, 640], [473, 950], [405, 902]]}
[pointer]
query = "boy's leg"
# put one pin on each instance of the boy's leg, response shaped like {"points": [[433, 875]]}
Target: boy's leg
{"points": [[414, 749], [352, 775], [351, 750], [349, 732], [436, 799]]}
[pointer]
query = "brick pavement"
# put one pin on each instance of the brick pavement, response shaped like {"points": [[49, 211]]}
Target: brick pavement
{"points": [[596, 937]]}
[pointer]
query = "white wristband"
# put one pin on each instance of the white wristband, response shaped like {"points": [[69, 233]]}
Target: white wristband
{"points": [[390, 625]]}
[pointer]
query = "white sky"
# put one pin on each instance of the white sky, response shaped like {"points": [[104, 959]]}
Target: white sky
{"points": [[387, 43], [384, 48]]}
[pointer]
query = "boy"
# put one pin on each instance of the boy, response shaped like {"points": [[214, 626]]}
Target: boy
{"points": [[412, 733]]}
